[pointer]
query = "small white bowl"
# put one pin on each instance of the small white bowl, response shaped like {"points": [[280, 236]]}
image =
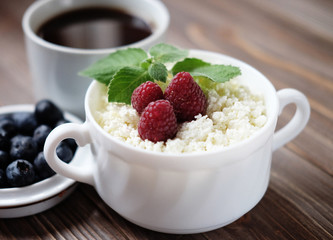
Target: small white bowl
{"points": [[40, 196]]}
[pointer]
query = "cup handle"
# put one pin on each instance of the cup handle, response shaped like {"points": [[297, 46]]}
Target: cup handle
{"points": [[79, 132], [299, 120]]}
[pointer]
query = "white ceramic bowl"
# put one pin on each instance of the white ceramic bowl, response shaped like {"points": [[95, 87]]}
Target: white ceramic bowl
{"points": [[40, 196], [182, 193]]}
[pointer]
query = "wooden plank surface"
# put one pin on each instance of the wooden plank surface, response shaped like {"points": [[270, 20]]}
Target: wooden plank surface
{"points": [[291, 42]]}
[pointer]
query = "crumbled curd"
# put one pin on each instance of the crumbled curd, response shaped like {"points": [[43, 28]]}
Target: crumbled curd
{"points": [[233, 114]]}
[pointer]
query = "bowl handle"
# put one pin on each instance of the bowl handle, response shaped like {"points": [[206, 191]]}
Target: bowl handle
{"points": [[82, 173], [299, 120]]}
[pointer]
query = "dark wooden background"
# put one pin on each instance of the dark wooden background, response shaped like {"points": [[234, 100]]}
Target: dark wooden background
{"points": [[291, 42]]}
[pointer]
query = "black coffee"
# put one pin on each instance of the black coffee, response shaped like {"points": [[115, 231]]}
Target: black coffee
{"points": [[94, 28]]}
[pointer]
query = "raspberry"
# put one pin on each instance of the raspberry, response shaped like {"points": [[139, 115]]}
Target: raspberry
{"points": [[186, 97], [158, 122], [144, 94]]}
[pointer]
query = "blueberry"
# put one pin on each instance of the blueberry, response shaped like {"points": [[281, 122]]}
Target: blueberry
{"points": [[42, 168], [25, 122], [4, 116], [20, 173], [8, 126], [4, 159], [23, 147], [48, 113], [4, 141], [62, 121], [37, 177], [3, 180], [64, 152], [40, 135], [71, 144]]}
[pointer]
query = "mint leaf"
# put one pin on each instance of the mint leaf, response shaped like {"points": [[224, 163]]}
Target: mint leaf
{"points": [[124, 82], [188, 65], [158, 71], [197, 67], [124, 70], [104, 69], [165, 53]]}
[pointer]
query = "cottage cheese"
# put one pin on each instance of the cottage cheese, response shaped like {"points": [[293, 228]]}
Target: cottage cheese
{"points": [[233, 114]]}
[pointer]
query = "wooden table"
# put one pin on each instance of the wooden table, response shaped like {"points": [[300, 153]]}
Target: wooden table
{"points": [[291, 42]]}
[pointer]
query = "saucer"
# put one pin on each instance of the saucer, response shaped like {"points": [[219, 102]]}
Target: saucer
{"points": [[40, 196]]}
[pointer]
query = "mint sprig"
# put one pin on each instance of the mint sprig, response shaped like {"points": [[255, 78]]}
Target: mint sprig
{"points": [[124, 70]]}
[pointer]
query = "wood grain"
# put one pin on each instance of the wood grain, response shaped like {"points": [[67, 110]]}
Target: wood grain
{"points": [[291, 42]]}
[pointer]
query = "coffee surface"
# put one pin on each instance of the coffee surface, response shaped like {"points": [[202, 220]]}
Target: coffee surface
{"points": [[94, 28]]}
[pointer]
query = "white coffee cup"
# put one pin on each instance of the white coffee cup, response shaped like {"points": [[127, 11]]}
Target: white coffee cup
{"points": [[55, 68], [182, 193]]}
